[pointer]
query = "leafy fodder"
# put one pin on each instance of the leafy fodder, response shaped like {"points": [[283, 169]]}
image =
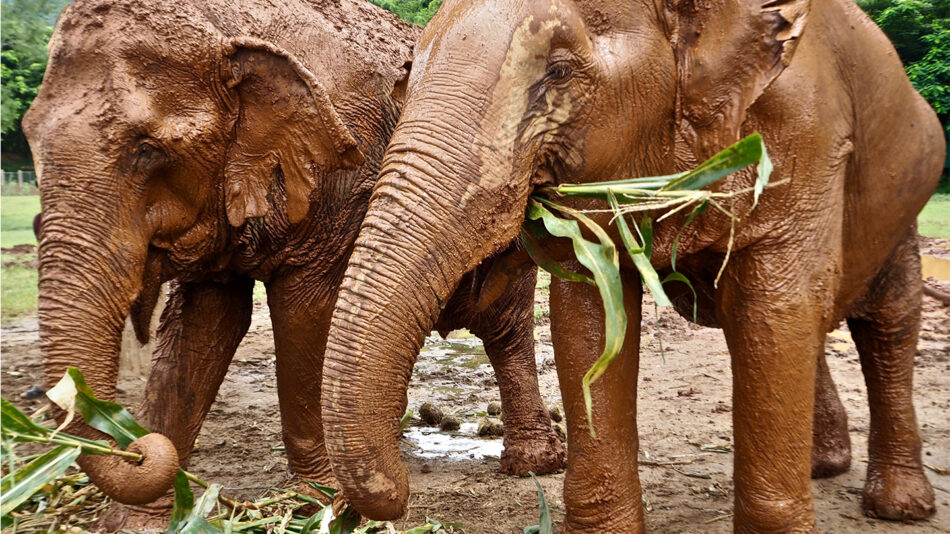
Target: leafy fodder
{"points": [[39, 493]]}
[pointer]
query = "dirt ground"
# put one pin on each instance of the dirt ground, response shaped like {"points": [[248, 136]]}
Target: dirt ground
{"points": [[684, 416]]}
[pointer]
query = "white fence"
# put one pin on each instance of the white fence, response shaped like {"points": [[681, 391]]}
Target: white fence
{"points": [[18, 179]]}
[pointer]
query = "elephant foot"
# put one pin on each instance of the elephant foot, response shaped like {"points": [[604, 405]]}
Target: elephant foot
{"points": [[152, 517], [830, 458], [898, 493], [541, 455]]}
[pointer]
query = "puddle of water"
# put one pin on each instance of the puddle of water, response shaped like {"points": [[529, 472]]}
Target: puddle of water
{"points": [[938, 268], [461, 445]]}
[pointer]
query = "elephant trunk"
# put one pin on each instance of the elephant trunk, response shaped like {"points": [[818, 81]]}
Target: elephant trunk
{"points": [[89, 278], [427, 225]]}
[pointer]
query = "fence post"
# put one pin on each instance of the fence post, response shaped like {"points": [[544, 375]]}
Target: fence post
{"points": [[19, 180]]}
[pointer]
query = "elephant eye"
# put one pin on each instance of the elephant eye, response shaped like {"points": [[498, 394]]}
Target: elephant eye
{"points": [[147, 156], [558, 72]]}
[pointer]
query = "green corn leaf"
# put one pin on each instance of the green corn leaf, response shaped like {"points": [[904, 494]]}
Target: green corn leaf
{"points": [[326, 490], [73, 394], [12, 420], [679, 277], [765, 172], [545, 524], [700, 208], [645, 231], [21, 484], [747, 151], [638, 254], [421, 529], [346, 522], [184, 502], [312, 523], [194, 521], [602, 260], [537, 254]]}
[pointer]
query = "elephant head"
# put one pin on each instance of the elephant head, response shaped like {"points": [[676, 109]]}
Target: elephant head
{"points": [[505, 97], [160, 141]]}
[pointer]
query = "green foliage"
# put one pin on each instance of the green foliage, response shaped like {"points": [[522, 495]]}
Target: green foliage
{"points": [[545, 524], [26, 26], [212, 513], [934, 220], [415, 11], [920, 31]]}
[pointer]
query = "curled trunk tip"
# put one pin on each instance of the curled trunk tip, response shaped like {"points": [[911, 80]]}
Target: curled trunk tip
{"points": [[129, 482]]}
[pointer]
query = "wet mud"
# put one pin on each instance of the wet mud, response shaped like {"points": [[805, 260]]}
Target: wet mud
{"points": [[685, 414]]}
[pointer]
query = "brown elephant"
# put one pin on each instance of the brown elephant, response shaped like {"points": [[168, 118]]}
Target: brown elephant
{"points": [[506, 97], [214, 144]]}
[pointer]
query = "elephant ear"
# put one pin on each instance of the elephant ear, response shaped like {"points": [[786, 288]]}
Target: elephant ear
{"points": [[285, 122], [728, 52]]}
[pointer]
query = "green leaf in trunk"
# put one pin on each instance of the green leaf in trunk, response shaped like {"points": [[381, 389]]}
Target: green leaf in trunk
{"points": [[21, 484], [73, 394], [602, 261], [747, 151], [640, 259]]}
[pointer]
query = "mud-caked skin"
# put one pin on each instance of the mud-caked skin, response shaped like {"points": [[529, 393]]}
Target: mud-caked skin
{"points": [[506, 96], [212, 144]]}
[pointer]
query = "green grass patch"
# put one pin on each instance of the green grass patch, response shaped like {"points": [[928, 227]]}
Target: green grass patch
{"points": [[16, 220], [18, 279], [19, 289], [934, 220]]}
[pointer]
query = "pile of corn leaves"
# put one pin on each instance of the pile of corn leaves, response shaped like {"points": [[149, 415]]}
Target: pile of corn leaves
{"points": [[36, 493]]}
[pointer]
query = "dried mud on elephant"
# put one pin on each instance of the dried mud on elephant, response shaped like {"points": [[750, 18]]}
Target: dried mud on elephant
{"points": [[684, 411]]}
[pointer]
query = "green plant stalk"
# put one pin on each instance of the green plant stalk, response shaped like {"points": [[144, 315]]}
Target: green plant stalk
{"points": [[86, 447]]}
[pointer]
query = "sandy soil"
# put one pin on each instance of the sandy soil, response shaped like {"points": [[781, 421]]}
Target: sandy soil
{"points": [[685, 407]]}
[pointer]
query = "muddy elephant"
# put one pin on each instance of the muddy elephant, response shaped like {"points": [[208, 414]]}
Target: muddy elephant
{"points": [[507, 97], [214, 144]]}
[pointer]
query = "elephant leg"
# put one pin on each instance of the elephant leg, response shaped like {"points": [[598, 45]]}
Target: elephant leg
{"points": [[602, 487], [301, 309], [831, 444], [886, 337], [774, 328], [506, 328], [200, 329]]}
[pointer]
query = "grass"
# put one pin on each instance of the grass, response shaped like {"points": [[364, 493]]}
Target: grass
{"points": [[934, 220], [18, 291], [16, 220]]}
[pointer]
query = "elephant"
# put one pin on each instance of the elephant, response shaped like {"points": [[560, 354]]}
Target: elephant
{"points": [[506, 98], [212, 144]]}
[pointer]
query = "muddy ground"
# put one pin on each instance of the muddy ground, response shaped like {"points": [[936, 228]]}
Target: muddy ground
{"points": [[685, 407]]}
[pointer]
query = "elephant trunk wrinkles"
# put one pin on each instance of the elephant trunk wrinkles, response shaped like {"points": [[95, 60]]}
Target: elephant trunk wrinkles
{"points": [[88, 280], [406, 263]]}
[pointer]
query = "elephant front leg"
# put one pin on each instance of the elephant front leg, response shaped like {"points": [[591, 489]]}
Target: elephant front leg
{"points": [[774, 329], [507, 329], [200, 329], [886, 337], [602, 487], [300, 311]]}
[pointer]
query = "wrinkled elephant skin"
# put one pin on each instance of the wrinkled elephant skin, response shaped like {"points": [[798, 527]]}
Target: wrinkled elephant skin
{"points": [[212, 143], [506, 96]]}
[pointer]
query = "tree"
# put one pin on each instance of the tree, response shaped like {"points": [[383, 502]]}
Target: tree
{"points": [[26, 26], [415, 11]]}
